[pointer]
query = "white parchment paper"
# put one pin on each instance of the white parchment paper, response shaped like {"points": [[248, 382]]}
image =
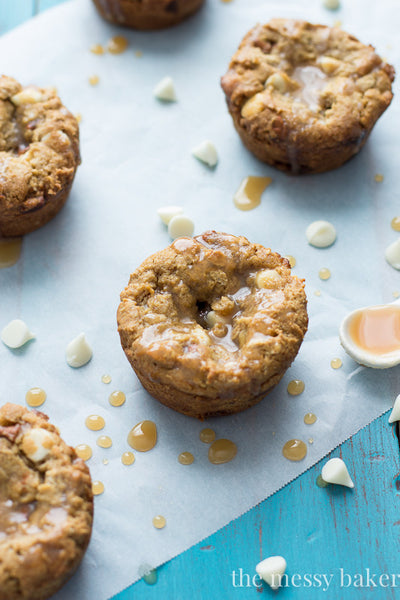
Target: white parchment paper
{"points": [[136, 157]]}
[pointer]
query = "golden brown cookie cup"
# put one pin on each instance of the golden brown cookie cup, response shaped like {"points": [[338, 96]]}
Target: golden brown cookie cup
{"points": [[39, 155], [46, 506], [304, 98], [211, 324], [147, 14]]}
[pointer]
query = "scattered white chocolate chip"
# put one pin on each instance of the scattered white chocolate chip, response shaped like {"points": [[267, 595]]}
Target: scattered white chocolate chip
{"points": [[167, 212], [321, 234], [331, 4], [206, 152], [180, 226], [277, 81], [267, 278], [16, 334], [36, 443], [395, 414], [335, 471], [328, 64], [29, 95], [165, 90], [78, 352], [392, 254], [271, 570]]}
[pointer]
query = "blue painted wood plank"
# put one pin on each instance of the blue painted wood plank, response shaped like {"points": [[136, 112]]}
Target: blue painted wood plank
{"points": [[14, 13], [318, 531]]}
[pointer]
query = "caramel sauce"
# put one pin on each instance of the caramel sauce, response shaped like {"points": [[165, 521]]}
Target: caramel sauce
{"points": [[248, 195], [378, 178], [150, 577], [324, 274], [35, 397], [207, 435], [94, 79], [159, 522], [377, 329], [143, 437], [104, 441], [97, 49], [395, 223], [117, 44], [310, 418], [10, 251], [83, 451], [128, 458], [336, 363], [186, 458], [97, 488], [117, 398], [321, 482], [78, 117], [106, 378], [296, 387], [222, 451], [294, 450], [95, 422]]}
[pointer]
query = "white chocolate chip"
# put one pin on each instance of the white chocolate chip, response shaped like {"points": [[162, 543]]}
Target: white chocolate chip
{"points": [[271, 570], [206, 152], [277, 81], [166, 213], [328, 64], [395, 414], [78, 352], [321, 234], [27, 96], [16, 334], [392, 254], [268, 278], [180, 226], [165, 90], [37, 443], [214, 318], [335, 471], [331, 4]]}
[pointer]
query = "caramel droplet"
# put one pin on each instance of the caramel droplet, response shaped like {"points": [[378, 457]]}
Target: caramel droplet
{"points": [[222, 451], [35, 397], [128, 458], [207, 435], [159, 522], [294, 450], [10, 251], [97, 49], [310, 418], [249, 193], [97, 488], [143, 436], [106, 378], [104, 441], [186, 458], [395, 223], [83, 451], [117, 44], [324, 274], [296, 387], [94, 79], [378, 178], [117, 398], [95, 422], [336, 363]]}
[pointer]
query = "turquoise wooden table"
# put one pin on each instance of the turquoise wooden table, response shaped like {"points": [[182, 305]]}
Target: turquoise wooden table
{"points": [[338, 543]]}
